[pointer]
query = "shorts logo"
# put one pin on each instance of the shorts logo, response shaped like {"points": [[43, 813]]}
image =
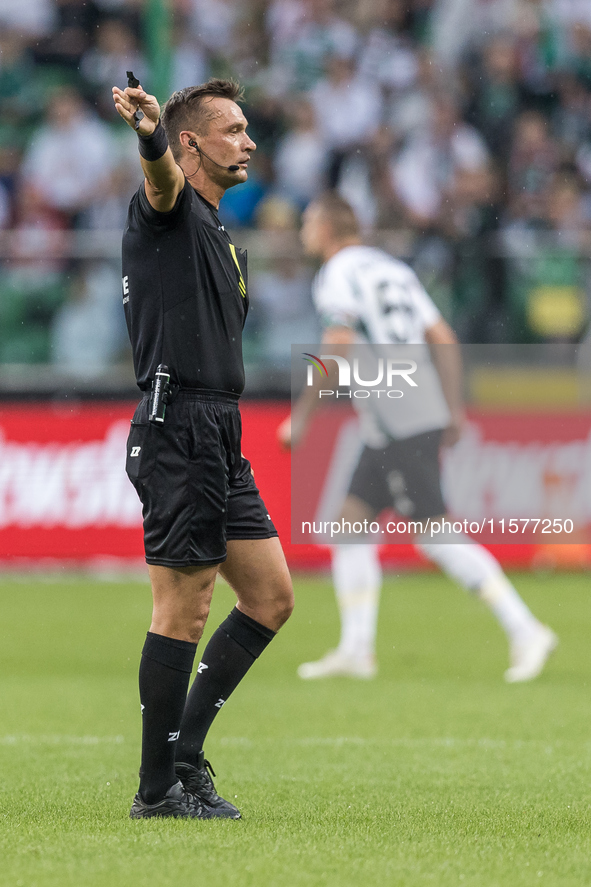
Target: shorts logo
{"points": [[135, 451], [201, 667], [172, 737], [219, 703]]}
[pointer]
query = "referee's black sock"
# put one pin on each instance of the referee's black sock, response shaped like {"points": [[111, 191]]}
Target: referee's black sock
{"points": [[165, 671], [233, 648]]}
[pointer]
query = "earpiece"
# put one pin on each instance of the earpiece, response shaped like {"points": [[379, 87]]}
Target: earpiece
{"points": [[233, 168]]}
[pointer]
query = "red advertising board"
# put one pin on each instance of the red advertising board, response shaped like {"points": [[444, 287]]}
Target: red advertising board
{"points": [[63, 490], [64, 494]]}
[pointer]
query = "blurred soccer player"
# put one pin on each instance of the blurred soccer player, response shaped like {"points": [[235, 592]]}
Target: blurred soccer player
{"points": [[363, 295]]}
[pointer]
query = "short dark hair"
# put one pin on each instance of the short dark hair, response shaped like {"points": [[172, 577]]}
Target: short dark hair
{"points": [[339, 213], [187, 108]]}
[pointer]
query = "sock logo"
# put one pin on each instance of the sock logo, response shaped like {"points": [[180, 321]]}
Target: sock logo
{"points": [[201, 667], [172, 737], [135, 451], [142, 707], [219, 703]]}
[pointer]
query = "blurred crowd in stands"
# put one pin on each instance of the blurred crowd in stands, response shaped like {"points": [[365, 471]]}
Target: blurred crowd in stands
{"points": [[462, 125]]}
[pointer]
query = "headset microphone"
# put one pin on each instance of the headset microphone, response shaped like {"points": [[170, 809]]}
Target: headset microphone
{"points": [[232, 168]]}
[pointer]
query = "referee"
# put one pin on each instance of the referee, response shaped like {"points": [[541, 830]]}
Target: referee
{"points": [[186, 300]]}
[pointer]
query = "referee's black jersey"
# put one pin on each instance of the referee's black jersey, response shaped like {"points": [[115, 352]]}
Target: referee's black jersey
{"points": [[184, 293]]}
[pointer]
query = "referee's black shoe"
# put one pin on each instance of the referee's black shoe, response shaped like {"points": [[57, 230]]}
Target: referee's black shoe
{"points": [[176, 803], [199, 783]]}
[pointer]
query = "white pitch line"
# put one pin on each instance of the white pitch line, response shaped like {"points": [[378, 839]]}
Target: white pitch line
{"points": [[57, 739], [482, 742]]}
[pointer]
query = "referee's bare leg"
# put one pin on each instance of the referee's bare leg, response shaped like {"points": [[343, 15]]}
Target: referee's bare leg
{"points": [[255, 569], [258, 573]]}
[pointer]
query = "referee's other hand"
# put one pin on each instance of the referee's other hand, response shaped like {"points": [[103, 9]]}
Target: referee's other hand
{"points": [[284, 433], [129, 100]]}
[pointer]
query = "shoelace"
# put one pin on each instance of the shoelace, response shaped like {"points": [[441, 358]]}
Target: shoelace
{"points": [[208, 766], [195, 804]]}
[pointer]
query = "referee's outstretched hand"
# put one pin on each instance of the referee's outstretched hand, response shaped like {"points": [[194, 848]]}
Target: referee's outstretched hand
{"points": [[129, 100]]}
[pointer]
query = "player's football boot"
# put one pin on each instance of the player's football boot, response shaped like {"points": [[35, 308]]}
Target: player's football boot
{"points": [[337, 664], [529, 657], [198, 782], [177, 803]]}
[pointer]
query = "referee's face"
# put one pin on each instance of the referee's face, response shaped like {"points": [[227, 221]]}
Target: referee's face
{"points": [[226, 142]]}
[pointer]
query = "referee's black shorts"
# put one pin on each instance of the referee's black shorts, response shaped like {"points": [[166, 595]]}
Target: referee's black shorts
{"points": [[196, 488], [404, 476]]}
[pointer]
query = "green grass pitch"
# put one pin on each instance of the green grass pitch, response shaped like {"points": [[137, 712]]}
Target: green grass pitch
{"points": [[436, 773]]}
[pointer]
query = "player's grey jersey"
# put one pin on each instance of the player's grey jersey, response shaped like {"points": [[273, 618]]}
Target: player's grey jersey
{"points": [[382, 299], [375, 294]]}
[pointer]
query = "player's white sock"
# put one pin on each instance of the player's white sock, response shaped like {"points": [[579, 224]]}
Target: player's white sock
{"points": [[357, 577], [475, 569], [509, 608]]}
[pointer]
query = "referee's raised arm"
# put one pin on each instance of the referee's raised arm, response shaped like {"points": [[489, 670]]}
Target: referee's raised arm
{"points": [[164, 178]]}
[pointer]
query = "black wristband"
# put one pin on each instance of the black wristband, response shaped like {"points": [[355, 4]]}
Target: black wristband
{"points": [[154, 146]]}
